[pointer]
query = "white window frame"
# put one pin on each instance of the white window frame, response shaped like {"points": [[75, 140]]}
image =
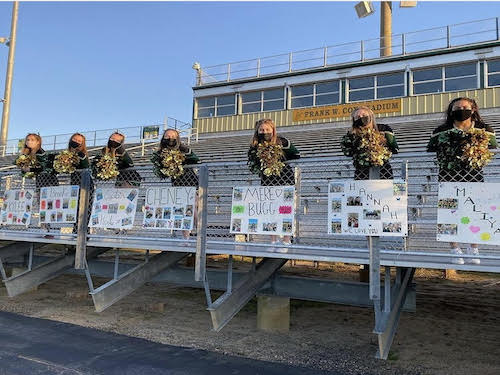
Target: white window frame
{"points": [[262, 100], [314, 93], [487, 73], [375, 87], [443, 78]]}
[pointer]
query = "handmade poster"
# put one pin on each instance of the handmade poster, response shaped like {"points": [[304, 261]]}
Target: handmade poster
{"points": [[368, 208], [263, 210], [59, 204], [469, 212], [169, 207], [114, 208], [17, 207]]}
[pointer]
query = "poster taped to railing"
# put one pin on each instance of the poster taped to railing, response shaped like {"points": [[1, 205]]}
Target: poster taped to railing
{"points": [[368, 208], [17, 207], [169, 207], [114, 208], [263, 210], [59, 204], [469, 212]]}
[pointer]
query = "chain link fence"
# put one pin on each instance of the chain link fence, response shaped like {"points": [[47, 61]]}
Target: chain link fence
{"points": [[310, 177]]}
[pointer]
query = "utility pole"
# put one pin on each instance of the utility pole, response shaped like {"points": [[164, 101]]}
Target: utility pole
{"points": [[11, 43]]}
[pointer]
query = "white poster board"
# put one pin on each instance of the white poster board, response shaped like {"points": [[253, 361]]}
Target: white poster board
{"points": [[169, 207], [469, 212], [59, 204], [114, 208], [17, 207], [368, 208], [263, 210]]}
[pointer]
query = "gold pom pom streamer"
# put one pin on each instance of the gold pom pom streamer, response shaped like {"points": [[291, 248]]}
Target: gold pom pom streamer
{"points": [[271, 159], [172, 163], [27, 161], [107, 167], [66, 162]]}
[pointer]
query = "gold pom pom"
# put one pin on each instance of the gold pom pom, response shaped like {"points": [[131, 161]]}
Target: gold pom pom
{"points": [[66, 162], [107, 167], [172, 163], [271, 158]]}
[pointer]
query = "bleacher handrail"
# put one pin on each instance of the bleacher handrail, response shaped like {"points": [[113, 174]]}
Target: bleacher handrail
{"points": [[256, 68], [99, 137]]}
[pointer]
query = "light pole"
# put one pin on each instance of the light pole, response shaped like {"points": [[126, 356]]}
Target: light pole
{"points": [[11, 43], [365, 8]]}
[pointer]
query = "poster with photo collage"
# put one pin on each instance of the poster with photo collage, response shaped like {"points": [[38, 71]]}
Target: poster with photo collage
{"points": [[59, 204], [17, 207], [169, 208], [368, 208], [263, 210], [114, 208]]}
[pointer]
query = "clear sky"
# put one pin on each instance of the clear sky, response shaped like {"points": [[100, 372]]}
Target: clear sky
{"points": [[90, 65]]}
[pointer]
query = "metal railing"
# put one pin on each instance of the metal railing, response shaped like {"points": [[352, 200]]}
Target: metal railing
{"points": [[95, 138], [402, 44]]}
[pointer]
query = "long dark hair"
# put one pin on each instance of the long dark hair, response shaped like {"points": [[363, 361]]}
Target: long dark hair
{"points": [[476, 117]]}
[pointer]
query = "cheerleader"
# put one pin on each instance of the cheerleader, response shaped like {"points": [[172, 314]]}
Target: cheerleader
{"points": [[127, 177], [265, 131], [171, 141], [363, 118], [462, 115], [41, 162]]}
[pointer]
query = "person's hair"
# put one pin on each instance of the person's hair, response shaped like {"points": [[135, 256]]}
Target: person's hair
{"points": [[33, 151], [83, 146], [112, 152], [177, 137], [371, 115], [255, 138], [476, 117]]}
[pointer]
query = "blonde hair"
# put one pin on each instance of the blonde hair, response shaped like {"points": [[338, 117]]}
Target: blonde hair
{"points": [[371, 115], [33, 151], [255, 138]]}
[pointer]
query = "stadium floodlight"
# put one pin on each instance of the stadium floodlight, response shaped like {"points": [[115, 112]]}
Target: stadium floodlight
{"points": [[407, 4], [196, 66], [364, 8]]}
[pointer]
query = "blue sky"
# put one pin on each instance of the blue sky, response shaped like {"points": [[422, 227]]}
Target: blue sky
{"points": [[90, 65]]}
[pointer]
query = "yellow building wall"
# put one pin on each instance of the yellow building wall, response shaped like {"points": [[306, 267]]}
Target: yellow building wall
{"points": [[412, 105]]}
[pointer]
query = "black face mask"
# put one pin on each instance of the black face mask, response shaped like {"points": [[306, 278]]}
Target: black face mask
{"points": [[168, 142], [113, 144], [265, 137], [74, 144], [461, 114], [360, 122]]}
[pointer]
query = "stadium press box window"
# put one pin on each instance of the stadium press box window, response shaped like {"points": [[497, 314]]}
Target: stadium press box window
{"points": [[223, 105], [265, 100], [493, 67], [315, 94], [377, 87], [445, 78]]}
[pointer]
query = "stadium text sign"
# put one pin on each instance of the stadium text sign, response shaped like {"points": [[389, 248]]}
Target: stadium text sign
{"points": [[345, 110], [368, 208], [469, 212]]}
